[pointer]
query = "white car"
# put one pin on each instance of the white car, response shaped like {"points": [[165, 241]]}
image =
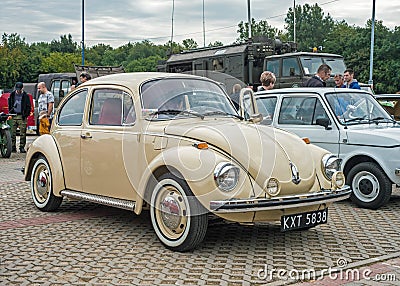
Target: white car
{"points": [[349, 123]]}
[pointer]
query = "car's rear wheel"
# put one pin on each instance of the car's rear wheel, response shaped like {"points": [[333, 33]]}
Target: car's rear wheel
{"points": [[178, 218], [371, 187], [42, 187]]}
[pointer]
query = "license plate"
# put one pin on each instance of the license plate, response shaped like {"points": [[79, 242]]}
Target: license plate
{"points": [[304, 220]]}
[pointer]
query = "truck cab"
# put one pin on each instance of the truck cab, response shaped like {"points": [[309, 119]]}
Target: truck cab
{"points": [[294, 69]]}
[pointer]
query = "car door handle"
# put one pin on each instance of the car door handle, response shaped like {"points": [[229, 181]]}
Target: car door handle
{"points": [[86, 136]]}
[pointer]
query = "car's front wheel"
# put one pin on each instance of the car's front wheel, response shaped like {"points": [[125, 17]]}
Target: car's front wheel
{"points": [[5, 144], [371, 187], [178, 218], [42, 186]]}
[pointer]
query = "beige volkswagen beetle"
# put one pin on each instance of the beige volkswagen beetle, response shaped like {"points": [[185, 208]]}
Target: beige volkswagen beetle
{"points": [[174, 144]]}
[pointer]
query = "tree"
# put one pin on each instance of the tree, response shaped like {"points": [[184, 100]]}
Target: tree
{"points": [[215, 44], [65, 45], [261, 28], [59, 62], [189, 44], [312, 26]]}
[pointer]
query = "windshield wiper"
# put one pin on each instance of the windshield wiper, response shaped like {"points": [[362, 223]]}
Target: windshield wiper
{"points": [[376, 120], [177, 112], [355, 119], [220, 112]]}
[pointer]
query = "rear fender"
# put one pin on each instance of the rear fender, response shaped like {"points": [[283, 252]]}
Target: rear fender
{"points": [[45, 146]]}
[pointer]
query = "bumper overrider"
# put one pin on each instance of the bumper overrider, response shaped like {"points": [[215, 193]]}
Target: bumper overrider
{"points": [[276, 203]]}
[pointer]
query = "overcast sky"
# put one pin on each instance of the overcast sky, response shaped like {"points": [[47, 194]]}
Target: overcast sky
{"points": [[117, 22]]}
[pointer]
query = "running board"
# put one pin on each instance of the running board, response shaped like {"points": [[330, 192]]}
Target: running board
{"points": [[112, 202]]}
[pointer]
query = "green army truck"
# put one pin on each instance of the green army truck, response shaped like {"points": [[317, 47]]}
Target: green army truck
{"points": [[247, 61]]}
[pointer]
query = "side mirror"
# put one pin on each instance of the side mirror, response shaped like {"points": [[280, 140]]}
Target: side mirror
{"points": [[256, 118], [325, 122], [250, 108]]}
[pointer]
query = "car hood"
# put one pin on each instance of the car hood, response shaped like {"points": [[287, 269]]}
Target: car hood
{"points": [[383, 135], [261, 150]]}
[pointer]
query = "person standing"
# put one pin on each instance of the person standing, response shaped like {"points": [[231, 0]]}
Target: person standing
{"points": [[320, 78], [267, 80], [83, 77], [235, 96], [20, 104], [350, 81], [339, 81], [45, 102]]}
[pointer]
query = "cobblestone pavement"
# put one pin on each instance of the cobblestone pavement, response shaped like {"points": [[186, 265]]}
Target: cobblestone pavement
{"points": [[88, 244]]}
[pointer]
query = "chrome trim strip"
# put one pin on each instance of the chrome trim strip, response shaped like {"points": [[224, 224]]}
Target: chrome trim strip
{"points": [[112, 202], [276, 203]]}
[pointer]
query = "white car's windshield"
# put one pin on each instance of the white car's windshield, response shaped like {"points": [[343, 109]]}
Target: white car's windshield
{"points": [[356, 108], [173, 97]]}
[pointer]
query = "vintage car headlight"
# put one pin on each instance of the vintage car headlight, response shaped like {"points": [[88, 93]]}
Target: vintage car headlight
{"points": [[330, 165], [226, 176], [338, 180], [272, 187]]}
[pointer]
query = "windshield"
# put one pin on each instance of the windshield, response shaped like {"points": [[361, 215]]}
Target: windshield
{"points": [[356, 108], [311, 64], [176, 97]]}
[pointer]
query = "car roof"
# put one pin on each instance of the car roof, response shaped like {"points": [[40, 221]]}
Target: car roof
{"points": [[309, 54], [132, 80], [317, 90], [387, 96]]}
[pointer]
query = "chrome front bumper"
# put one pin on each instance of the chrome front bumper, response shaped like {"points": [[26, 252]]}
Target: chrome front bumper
{"points": [[276, 203]]}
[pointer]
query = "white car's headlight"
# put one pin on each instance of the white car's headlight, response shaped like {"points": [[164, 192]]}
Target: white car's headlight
{"points": [[226, 176], [330, 165]]}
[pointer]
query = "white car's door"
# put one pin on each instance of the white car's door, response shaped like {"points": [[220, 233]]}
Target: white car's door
{"points": [[302, 115]]}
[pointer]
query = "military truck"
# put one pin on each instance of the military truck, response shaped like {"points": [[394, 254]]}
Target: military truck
{"points": [[246, 62], [294, 69]]}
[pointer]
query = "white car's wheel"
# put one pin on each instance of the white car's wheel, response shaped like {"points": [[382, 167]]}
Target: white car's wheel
{"points": [[371, 187], [41, 187], [178, 218]]}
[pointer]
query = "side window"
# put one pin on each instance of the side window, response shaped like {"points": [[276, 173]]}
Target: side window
{"points": [[273, 66], [319, 112], [55, 87], [65, 88], [297, 110], [290, 67], [106, 107], [71, 113], [266, 106], [129, 116]]}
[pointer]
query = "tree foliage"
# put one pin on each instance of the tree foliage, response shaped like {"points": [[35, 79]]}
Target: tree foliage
{"points": [[312, 26], [262, 28]]}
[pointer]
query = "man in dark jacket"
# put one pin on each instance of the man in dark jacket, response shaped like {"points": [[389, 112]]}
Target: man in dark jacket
{"points": [[318, 80], [19, 103]]}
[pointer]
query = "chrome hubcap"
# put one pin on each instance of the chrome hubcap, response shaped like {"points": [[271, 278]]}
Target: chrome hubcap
{"points": [[173, 212], [42, 184]]}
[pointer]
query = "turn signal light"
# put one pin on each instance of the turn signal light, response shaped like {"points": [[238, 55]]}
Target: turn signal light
{"points": [[201, 145], [306, 139]]}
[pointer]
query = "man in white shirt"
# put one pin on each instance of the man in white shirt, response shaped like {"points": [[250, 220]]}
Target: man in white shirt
{"points": [[45, 101]]}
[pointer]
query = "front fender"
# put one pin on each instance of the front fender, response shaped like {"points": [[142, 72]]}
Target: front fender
{"points": [[45, 146], [196, 167]]}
